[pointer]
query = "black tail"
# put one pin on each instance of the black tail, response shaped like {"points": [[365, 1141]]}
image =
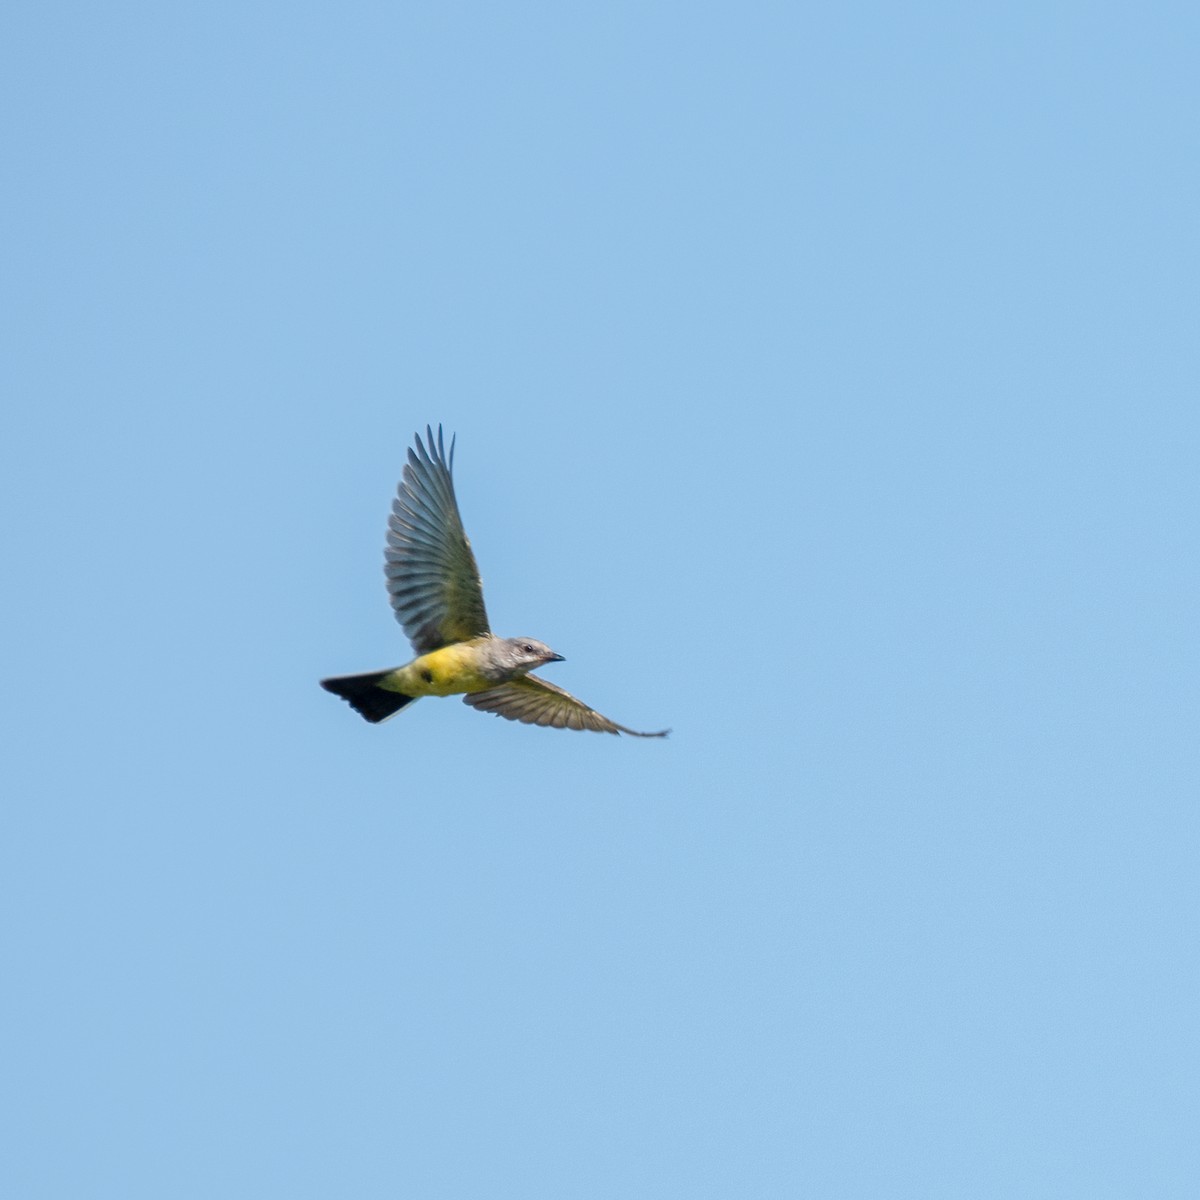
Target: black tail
{"points": [[365, 695]]}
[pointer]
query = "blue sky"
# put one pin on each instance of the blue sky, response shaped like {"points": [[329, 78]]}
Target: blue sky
{"points": [[825, 388]]}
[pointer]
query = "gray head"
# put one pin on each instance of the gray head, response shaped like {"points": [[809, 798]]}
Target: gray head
{"points": [[516, 656]]}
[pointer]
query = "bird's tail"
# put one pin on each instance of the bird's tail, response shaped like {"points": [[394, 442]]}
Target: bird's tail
{"points": [[366, 697]]}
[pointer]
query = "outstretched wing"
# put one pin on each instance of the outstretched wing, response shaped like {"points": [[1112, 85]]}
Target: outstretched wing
{"points": [[537, 702], [432, 578]]}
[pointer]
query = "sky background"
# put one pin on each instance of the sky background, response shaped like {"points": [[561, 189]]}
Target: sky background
{"points": [[825, 388]]}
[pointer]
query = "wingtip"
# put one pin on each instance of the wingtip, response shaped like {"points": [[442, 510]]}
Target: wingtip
{"points": [[433, 449]]}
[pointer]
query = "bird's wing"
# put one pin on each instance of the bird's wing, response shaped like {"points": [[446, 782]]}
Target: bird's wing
{"points": [[537, 702], [432, 578]]}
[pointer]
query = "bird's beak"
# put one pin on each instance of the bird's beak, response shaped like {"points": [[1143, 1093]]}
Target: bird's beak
{"points": [[556, 658]]}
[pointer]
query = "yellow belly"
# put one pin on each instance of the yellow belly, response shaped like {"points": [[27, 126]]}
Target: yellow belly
{"points": [[445, 672]]}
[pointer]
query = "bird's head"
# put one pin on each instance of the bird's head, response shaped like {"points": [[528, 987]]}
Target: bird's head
{"points": [[523, 654]]}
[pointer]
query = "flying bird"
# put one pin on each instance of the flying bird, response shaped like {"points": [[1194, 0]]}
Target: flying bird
{"points": [[437, 596]]}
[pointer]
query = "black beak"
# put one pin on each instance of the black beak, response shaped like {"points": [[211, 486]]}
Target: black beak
{"points": [[556, 658]]}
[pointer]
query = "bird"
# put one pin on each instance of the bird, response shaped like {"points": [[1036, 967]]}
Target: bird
{"points": [[437, 596]]}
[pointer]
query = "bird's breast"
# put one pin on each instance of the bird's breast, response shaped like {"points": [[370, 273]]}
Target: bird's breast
{"points": [[449, 671]]}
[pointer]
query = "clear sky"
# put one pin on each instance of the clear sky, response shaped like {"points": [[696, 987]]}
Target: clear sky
{"points": [[825, 387]]}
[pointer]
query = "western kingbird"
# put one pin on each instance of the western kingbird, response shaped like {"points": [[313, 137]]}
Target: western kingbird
{"points": [[437, 596]]}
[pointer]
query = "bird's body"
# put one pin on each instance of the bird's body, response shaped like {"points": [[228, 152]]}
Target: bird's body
{"points": [[437, 596], [472, 666], [450, 671]]}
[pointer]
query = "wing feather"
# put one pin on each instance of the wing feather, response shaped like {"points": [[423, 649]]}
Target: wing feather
{"points": [[432, 579], [536, 702]]}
